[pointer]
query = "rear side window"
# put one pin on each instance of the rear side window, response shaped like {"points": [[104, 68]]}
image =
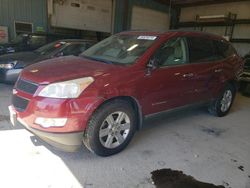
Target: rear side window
{"points": [[224, 49], [37, 41], [200, 49]]}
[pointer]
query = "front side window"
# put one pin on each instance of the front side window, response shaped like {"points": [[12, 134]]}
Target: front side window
{"points": [[173, 52], [200, 49], [120, 49], [50, 48]]}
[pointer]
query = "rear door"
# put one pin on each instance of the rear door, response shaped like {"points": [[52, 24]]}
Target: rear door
{"points": [[207, 66]]}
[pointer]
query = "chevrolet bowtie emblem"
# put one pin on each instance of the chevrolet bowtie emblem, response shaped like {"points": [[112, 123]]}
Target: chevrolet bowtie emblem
{"points": [[33, 71]]}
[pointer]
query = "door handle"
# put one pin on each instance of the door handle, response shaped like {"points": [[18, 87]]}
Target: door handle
{"points": [[188, 75], [218, 70]]}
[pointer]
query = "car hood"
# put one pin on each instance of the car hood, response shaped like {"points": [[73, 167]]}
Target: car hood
{"points": [[23, 58], [67, 68]]}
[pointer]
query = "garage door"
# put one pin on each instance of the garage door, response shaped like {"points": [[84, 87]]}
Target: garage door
{"points": [[94, 15], [148, 19]]}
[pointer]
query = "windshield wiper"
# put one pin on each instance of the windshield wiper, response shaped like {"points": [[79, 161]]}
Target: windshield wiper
{"points": [[98, 59]]}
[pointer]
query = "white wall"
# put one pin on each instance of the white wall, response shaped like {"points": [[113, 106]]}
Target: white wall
{"points": [[93, 15], [148, 19], [242, 9]]}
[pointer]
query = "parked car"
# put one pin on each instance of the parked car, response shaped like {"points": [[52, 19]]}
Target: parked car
{"points": [[102, 97], [30, 42], [12, 64], [245, 77]]}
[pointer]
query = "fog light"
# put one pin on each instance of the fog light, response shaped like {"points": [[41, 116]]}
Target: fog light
{"points": [[51, 122]]}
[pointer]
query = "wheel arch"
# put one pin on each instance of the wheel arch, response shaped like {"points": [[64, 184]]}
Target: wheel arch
{"points": [[231, 82], [134, 103]]}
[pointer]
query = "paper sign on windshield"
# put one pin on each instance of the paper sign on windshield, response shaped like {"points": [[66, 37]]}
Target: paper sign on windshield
{"points": [[147, 37]]}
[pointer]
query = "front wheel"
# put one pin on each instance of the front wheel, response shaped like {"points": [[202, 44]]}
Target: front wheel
{"points": [[221, 106], [110, 129]]}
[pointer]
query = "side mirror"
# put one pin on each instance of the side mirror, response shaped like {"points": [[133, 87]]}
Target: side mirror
{"points": [[152, 64]]}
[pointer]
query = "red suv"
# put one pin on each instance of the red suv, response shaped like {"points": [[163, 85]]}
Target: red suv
{"points": [[102, 97]]}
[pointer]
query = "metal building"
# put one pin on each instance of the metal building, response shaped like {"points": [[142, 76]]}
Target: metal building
{"points": [[23, 16]]}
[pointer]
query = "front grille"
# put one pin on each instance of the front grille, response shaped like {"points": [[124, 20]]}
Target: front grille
{"points": [[19, 103], [26, 86]]}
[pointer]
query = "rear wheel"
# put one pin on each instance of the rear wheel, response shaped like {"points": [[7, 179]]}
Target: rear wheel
{"points": [[221, 106], [110, 129]]}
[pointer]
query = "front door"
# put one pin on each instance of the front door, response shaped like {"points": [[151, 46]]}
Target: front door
{"points": [[171, 84]]}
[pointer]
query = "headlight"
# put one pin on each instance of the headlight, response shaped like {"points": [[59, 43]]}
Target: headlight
{"points": [[9, 65], [67, 89]]}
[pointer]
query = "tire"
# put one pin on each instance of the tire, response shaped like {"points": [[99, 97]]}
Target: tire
{"points": [[222, 105], [106, 134]]}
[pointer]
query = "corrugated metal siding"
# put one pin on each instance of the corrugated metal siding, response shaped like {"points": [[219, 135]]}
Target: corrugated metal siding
{"points": [[32, 11]]}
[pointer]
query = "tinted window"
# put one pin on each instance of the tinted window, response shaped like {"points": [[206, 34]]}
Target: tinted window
{"points": [[173, 52], [74, 49], [200, 49], [50, 48], [20, 38], [37, 41], [88, 45], [224, 49]]}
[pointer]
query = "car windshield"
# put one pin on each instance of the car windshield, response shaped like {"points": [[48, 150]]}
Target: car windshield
{"points": [[120, 49], [51, 47]]}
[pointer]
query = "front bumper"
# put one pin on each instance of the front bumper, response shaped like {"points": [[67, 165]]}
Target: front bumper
{"points": [[9, 75], [66, 138], [28, 107], [69, 142]]}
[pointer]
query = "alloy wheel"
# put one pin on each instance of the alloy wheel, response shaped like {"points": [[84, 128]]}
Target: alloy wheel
{"points": [[226, 100], [114, 129]]}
